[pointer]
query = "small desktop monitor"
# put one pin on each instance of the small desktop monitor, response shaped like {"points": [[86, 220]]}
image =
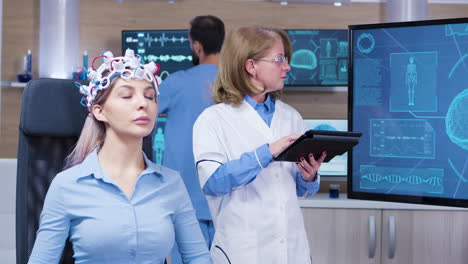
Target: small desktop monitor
{"points": [[170, 48], [337, 167], [159, 140], [408, 95], [320, 57]]}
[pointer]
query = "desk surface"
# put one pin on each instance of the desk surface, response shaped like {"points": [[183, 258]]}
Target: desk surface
{"points": [[321, 200]]}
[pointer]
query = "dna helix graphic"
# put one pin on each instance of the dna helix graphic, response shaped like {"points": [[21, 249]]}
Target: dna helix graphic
{"points": [[411, 179]]}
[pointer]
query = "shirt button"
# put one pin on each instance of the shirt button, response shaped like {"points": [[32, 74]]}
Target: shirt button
{"points": [[132, 253], [282, 241]]}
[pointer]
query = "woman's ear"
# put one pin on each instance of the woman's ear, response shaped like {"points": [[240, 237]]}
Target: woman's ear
{"points": [[250, 67], [97, 111]]}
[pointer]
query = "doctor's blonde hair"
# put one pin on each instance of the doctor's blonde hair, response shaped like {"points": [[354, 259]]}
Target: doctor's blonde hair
{"points": [[253, 42]]}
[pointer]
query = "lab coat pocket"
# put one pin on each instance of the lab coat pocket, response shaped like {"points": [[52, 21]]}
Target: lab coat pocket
{"points": [[234, 248]]}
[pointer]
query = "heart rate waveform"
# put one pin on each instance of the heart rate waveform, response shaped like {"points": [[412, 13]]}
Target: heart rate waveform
{"points": [[161, 38], [402, 138], [170, 48], [428, 180], [164, 58]]}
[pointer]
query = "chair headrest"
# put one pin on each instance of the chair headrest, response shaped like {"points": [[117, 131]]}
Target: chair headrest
{"points": [[51, 107]]}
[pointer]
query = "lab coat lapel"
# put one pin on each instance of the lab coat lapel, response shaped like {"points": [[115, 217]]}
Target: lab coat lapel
{"points": [[254, 121]]}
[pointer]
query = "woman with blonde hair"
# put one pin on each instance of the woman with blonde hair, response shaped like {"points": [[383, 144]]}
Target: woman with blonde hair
{"points": [[114, 204], [253, 200]]}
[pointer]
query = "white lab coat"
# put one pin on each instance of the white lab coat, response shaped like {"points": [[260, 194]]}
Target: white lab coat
{"points": [[260, 222]]}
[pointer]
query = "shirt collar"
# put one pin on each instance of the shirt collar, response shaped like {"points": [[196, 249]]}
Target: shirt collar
{"points": [[268, 103], [91, 167]]}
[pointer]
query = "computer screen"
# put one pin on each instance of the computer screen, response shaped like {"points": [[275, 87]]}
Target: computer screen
{"points": [[159, 140], [338, 165], [408, 95], [170, 48], [320, 58]]}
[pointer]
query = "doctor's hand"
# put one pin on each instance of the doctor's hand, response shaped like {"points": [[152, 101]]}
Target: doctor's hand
{"points": [[281, 144], [309, 167]]}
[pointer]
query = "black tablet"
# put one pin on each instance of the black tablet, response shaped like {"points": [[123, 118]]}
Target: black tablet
{"points": [[316, 142]]}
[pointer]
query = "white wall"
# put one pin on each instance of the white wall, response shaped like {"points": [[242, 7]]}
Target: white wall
{"points": [[7, 210], [1, 30]]}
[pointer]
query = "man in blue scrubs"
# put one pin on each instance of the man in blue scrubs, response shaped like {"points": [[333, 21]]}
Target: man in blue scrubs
{"points": [[183, 96]]}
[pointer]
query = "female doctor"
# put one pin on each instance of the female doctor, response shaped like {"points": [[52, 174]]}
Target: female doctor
{"points": [[253, 200]]}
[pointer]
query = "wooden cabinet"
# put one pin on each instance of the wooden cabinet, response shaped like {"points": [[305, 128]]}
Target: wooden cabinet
{"points": [[367, 236], [418, 236], [338, 236]]}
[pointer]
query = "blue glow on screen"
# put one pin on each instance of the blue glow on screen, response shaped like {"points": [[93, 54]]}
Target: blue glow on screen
{"points": [[410, 101], [320, 58], [169, 48], [159, 142]]}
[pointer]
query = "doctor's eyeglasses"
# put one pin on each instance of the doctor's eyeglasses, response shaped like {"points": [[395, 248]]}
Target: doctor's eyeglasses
{"points": [[279, 60]]}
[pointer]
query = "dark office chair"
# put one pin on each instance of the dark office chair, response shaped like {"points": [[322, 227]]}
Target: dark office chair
{"points": [[50, 124]]}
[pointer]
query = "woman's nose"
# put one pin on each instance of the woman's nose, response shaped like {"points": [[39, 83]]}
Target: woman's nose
{"points": [[142, 101]]}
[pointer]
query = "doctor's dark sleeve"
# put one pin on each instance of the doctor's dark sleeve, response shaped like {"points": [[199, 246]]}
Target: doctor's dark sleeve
{"points": [[217, 175], [53, 228]]}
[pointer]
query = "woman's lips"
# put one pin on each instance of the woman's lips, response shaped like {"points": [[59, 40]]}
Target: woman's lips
{"points": [[142, 120]]}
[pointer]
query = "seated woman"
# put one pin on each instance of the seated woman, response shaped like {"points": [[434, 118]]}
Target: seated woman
{"points": [[115, 204]]}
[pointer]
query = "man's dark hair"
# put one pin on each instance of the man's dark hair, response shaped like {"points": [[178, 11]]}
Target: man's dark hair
{"points": [[209, 31]]}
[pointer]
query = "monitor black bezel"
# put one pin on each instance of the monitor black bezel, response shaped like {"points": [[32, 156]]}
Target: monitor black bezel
{"points": [[302, 87], [380, 196]]}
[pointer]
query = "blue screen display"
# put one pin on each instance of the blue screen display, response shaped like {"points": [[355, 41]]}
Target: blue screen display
{"points": [[410, 100], [169, 48], [320, 58], [159, 143]]}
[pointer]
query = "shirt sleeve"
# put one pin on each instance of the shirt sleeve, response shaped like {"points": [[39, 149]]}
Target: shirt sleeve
{"points": [[164, 97], [212, 163], [236, 173], [53, 228], [306, 189], [188, 235]]}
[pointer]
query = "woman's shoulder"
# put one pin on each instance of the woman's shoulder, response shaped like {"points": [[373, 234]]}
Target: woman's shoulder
{"points": [[285, 108], [66, 178], [168, 174], [214, 111]]}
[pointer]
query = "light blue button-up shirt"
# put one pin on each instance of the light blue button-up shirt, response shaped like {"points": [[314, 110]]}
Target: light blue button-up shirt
{"points": [[105, 226], [244, 170]]}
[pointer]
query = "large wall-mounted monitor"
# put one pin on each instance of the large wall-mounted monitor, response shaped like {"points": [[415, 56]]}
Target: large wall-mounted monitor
{"points": [[409, 98], [337, 167], [169, 48], [320, 58]]}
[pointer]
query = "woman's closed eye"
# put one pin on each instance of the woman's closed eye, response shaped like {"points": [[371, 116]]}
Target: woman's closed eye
{"points": [[150, 96]]}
